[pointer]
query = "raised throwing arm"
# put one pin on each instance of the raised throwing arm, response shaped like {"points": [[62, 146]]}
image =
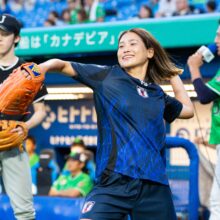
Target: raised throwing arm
{"points": [[57, 65]]}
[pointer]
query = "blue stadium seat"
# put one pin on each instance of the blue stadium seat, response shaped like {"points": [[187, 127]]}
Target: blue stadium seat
{"points": [[184, 181], [110, 4], [110, 18], [45, 172]]}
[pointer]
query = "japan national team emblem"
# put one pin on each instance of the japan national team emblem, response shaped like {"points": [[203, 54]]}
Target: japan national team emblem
{"points": [[142, 92], [88, 206]]}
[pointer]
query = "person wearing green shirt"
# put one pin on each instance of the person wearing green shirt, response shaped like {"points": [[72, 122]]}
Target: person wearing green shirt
{"points": [[77, 183], [95, 11], [206, 93], [78, 146], [30, 145]]}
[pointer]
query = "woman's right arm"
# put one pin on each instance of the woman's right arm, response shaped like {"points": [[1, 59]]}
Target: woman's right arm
{"points": [[182, 96], [57, 65]]}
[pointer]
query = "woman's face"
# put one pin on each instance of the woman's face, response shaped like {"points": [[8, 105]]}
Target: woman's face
{"points": [[132, 52]]}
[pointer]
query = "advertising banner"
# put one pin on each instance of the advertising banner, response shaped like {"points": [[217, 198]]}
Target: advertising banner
{"points": [[65, 121]]}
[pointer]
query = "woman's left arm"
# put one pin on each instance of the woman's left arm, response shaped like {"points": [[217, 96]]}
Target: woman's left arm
{"points": [[182, 96]]}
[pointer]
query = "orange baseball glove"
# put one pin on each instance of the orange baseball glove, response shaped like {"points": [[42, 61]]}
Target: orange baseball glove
{"points": [[17, 92], [8, 139]]}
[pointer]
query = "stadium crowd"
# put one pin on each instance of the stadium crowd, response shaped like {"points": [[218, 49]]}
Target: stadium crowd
{"points": [[69, 12], [74, 179]]}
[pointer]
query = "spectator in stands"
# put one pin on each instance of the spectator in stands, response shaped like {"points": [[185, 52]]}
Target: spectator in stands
{"points": [[77, 183], [82, 16], [49, 23], [4, 7], [153, 4], [166, 8], [131, 108], [15, 5], [74, 6], [78, 146], [183, 8], [54, 16], [95, 10], [29, 4], [30, 145], [65, 16], [145, 12], [211, 6], [210, 92]]}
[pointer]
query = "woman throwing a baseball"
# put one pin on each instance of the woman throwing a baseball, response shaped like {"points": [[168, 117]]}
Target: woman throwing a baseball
{"points": [[131, 109]]}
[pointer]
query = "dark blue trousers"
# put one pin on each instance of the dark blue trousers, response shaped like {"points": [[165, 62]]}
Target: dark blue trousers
{"points": [[116, 196]]}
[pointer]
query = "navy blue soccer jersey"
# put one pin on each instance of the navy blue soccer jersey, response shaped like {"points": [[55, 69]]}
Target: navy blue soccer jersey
{"points": [[131, 128]]}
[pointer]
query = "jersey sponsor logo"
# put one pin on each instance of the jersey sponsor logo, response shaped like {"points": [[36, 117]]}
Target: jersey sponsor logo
{"points": [[142, 92], [88, 206], [3, 19]]}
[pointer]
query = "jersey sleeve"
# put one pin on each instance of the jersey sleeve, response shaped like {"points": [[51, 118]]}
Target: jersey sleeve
{"points": [[90, 74], [214, 83], [172, 108], [204, 93]]}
